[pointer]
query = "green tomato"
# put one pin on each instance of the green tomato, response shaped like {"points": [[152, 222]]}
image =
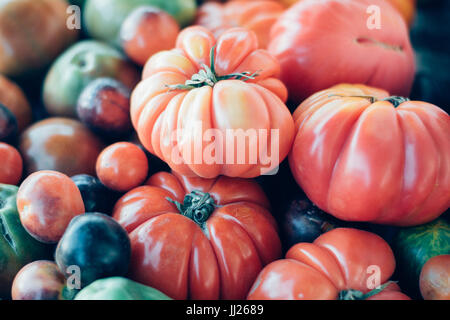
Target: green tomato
{"points": [[77, 67], [414, 246], [17, 247], [103, 18], [118, 288]]}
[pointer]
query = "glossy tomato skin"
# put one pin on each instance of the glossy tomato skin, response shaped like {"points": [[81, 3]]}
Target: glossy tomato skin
{"points": [[11, 168], [47, 201], [146, 31], [435, 278], [375, 162], [177, 125], [122, 166], [312, 60], [338, 260], [60, 144], [218, 259]]}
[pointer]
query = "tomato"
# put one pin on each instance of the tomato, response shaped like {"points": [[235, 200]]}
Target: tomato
{"points": [[323, 43], [361, 155], [47, 201], [184, 109], [258, 16], [13, 98], [343, 263], [212, 244], [11, 168], [122, 166], [146, 31], [435, 278], [60, 144], [407, 8]]}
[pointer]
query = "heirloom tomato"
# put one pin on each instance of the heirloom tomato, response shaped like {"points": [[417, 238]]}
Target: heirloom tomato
{"points": [[362, 155], [197, 99], [346, 264], [258, 16], [435, 278], [323, 43], [198, 238]]}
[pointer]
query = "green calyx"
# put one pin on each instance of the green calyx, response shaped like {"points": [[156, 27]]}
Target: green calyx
{"points": [[197, 206], [352, 294], [395, 100], [207, 76]]}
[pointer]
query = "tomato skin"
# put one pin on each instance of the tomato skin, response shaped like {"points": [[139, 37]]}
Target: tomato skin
{"points": [[338, 260], [173, 254], [372, 162], [122, 166], [312, 60], [13, 98], [47, 201], [160, 116], [11, 169], [434, 278], [146, 31], [258, 16]]}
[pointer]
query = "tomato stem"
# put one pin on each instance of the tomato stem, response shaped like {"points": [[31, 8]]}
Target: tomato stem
{"points": [[207, 76], [352, 294], [197, 206], [395, 100]]}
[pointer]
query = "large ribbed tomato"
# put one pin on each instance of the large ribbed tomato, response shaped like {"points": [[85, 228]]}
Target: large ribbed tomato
{"points": [[183, 109], [211, 245], [258, 16], [323, 43], [364, 156], [341, 264]]}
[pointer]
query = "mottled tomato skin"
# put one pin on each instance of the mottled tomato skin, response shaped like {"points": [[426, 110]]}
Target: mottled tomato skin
{"points": [[122, 166], [60, 144], [219, 259], [323, 43], [375, 162], [338, 260], [146, 31], [39, 280], [47, 201], [11, 168], [435, 278]]}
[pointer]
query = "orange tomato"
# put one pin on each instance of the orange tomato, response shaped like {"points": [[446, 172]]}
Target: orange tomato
{"points": [[342, 263], [361, 155], [258, 16], [11, 168], [181, 100], [211, 245]]}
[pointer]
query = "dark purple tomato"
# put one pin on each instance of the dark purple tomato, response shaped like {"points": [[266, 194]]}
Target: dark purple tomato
{"points": [[96, 197], [97, 244], [39, 280], [104, 106], [8, 125]]}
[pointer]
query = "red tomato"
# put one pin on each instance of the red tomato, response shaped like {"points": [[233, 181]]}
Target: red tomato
{"points": [[146, 31], [47, 201], [323, 43], [361, 155], [11, 167], [122, 166], [435, 278], [258, 16], [343, 263], [184, 109], [214, 249]]}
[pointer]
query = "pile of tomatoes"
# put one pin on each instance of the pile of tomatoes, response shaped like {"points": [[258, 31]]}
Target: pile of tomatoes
{"points": [[118, 179]]}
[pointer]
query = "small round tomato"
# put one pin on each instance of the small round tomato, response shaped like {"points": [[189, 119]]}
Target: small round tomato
{"points": [[39, 280], [122, 166], [11, 167], [47, 201], [435, 278], [146, 31]]}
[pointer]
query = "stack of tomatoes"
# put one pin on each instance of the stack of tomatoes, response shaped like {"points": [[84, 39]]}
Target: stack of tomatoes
{"points": [[187, 149]]}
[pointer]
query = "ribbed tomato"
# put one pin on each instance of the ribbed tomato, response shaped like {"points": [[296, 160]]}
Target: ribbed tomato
{"points": [[258, 16], [364, 156], [212, 244], [184, 110], [347, 264]]}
